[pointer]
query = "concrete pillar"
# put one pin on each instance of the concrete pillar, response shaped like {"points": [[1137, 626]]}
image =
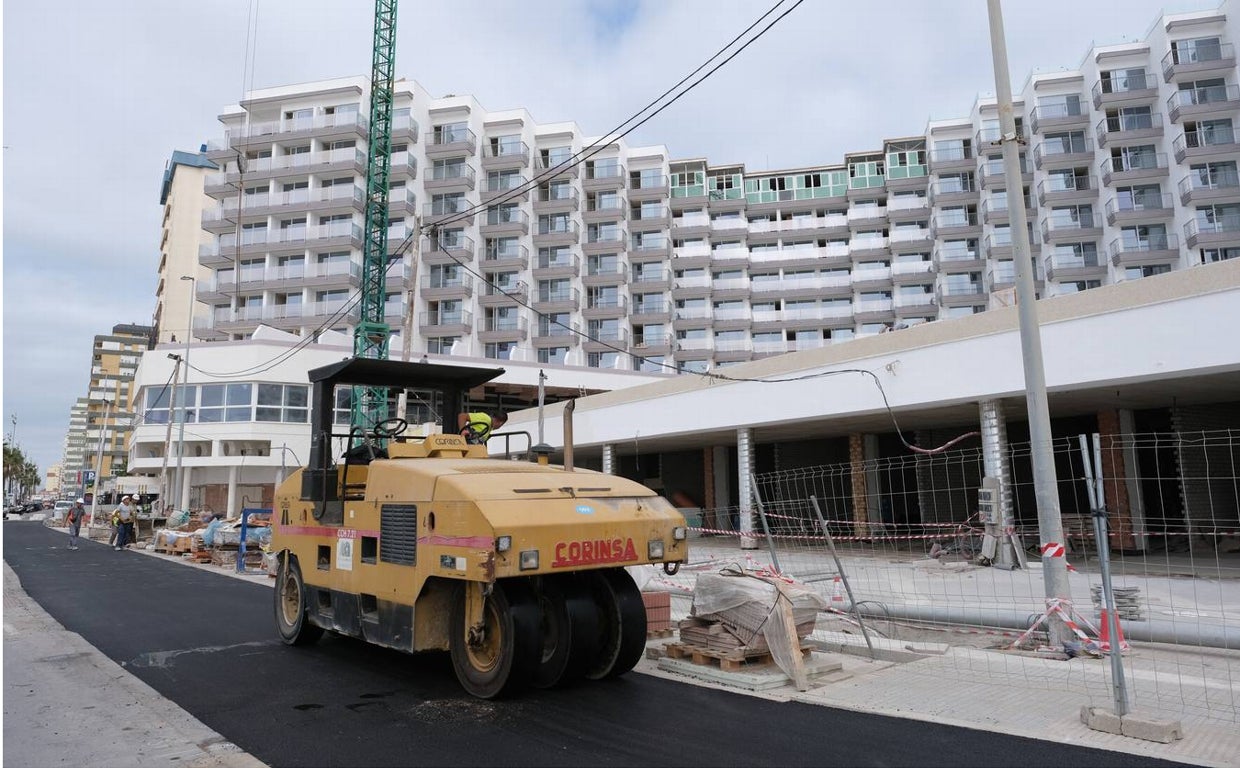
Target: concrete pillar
{"points": [[719, 485], [856, 457], [1114, 485], [187, 477], [744, 470], [997, 464], [609, 459], [232, 492], [1132, 474], [873, 485]]}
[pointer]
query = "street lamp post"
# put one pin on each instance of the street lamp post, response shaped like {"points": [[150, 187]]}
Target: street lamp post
{"points": [[94, 497], [179, 492]]}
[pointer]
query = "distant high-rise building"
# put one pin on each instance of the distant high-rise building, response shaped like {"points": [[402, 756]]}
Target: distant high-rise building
{"points": [[181, 236]]}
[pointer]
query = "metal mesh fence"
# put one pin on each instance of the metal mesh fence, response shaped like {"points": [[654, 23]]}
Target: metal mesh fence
{"points": [[909, 541]]}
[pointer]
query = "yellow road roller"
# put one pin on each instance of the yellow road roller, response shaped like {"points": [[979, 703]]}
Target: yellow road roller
{"points": [[516, 568]]}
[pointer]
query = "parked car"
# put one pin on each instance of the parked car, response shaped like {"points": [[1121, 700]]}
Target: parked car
{"points": [[60, 510]]}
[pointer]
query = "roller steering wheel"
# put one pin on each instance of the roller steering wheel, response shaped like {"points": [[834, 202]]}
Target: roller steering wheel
{"points": [[472, 436], [390, 427]]}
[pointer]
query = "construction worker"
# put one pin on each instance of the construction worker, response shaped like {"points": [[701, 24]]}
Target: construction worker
{"points": [[476, 426], [125, 515]]}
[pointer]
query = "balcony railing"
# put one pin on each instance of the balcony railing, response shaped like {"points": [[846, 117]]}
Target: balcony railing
{"points": [[1223, 225], [1150, 203], [501, 216], [459, 317], [1167, 242], [604, 171], [1138, 162], [1190, 140], [644, 181], [1209, 94], [1119, 85], [442, 135], [446, 207], [1197, 55], [1195, 182], [508, 182], [452, 171], [506, 149]]}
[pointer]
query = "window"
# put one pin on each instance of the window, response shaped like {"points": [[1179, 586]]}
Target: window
{"points": [[1209, 133], [1196, 50], [1066, 142], [227, 402], [553, 355], [500, 350], [1133, 273], [1062, 105], [450, 133], [1121, 80], [287, 403], [1138, 157], [440, 345]]}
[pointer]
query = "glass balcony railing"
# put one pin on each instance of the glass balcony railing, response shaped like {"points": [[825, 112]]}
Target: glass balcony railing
{"points": [[1210, 94]]}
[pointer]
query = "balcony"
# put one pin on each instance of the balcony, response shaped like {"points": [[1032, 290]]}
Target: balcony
{"points": [[1155, 249], [1199, 60], [346, 160], [993, 175], [612, 240], [608, 273], [861, 248], [507, 188], [907, 208], [648, 280], [867, 217], [953, 192], [953, 159], [873, 310], [1145, 209], [1059, 230], [693, 317], [505, 155], [606, 339], [647, 186], [405, 127], [1199, 188], [606, 307], [724, 286], [506, 259], [959, 259], [912, 300], [908, 239], [501, 222], [646, 247], [503, 328], [605, 210], [1134, 168], [439, 288], [1067, 189], [955, 226], [999, 245], [551, 334], [1192, 145], [450, 178], [695, 224], [871, 277], [603, 177], [1059, 154], [404, 166], [1113, 130], [552, 169], [1051, 117], [401, 202], [556, 231], [729, 255], [566, 300], [558, 265], [908, 272], [650, 219], [503, 294], [337, 234], [996, 211], [960, 294], [564, 200], [650, 312], [1224, 232], [1203, 102], [439, 211], [449, 250], [1120, 91], [1070, 267], [450, 142], [458, 323]]}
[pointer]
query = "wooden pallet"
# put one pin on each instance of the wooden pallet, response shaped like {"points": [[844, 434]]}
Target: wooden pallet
{"points": [[729, 661], [653, 633]]}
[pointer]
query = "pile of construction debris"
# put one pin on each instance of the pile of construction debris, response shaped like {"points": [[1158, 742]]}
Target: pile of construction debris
{"points": [[739, 615], [209, 540]]}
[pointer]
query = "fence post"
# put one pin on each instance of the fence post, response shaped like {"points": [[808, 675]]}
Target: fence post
{"points": [[744, 473], [1097, 503], [766, 529], [839, 566]]}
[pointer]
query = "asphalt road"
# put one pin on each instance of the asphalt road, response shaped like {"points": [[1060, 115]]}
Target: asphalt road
{"points": [[208, 643]]}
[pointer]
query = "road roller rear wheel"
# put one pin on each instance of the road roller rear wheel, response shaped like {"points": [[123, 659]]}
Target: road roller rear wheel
{"points": [[622, 623]]}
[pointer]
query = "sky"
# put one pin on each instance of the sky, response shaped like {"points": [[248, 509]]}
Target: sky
{"points": [[96, 96]]}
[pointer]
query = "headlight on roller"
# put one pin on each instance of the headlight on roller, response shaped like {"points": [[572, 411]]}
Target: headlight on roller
{"points": [[503, 544], [654, 549], [529, 560], [678, 533]]}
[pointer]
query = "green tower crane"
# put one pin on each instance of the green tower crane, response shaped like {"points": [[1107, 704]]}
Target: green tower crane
{"points": [[372, 334]]}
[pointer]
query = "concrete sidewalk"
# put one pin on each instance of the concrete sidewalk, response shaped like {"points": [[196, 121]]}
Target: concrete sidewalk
{"points": [[65, 703], [62, 696]]}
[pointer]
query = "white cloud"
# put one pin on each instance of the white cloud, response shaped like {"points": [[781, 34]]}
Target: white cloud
{"points": [[89, 128]]}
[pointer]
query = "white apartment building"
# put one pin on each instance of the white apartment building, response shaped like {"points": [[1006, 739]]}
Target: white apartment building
{"points": [[74, 459], [1131, 170], [181, 236]]}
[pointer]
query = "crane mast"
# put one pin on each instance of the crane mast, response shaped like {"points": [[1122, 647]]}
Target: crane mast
{"points": [[372, 335]]}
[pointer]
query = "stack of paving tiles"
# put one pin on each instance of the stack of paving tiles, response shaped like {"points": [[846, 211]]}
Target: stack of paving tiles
{"points": [[1128, 604]]}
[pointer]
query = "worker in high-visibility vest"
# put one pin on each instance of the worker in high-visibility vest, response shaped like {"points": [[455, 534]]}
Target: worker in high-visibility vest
{"points": [[476, 426]]}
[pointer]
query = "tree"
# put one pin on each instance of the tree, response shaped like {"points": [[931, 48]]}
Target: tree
{"points": [[21, 476]]}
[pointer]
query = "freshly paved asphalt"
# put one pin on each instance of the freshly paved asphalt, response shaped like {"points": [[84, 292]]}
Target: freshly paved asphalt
{"points": [[208, 643]]}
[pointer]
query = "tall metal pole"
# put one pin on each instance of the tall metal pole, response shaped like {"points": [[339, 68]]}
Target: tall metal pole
{"points": [[165, 489], [185, 391], [1050, 526], [542, 376], [94, 497]]}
